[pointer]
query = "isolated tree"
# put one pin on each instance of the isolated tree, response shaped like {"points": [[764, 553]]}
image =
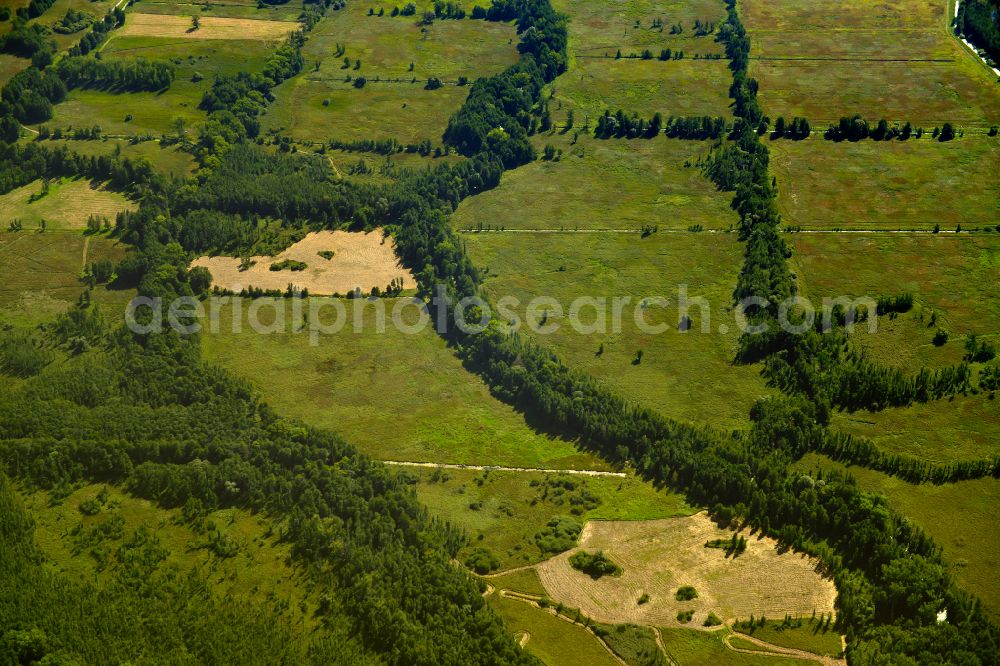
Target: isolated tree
{"points": [[195, 22], [947, 132]]}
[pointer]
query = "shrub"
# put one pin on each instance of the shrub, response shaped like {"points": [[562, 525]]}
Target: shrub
{"points": [[482, 561], [289, 264], [685, 616], [643, 599], [940, 337], [712, 620], [686, 593], [560, 534], [595, 565]]}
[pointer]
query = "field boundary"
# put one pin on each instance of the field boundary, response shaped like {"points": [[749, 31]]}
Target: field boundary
{"points": [[500, 468]]}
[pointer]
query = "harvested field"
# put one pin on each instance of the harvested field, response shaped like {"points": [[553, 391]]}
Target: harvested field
{"points": [[359, 261], [211, 27], [659, 556], [66, 206]]}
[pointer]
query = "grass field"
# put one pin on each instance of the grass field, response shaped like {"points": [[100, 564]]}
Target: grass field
{"points": [[596, 27], [524, 581], [809, 637], [259, 570], [386, 46], [40, 275], [888, 184], [402, 111], [502, 511], [966, 428], [688, 375], [557, 642], [153, 113], [396, 396], [604, 184], [686, 646], [933, 81], [959, 516], [685, 87], [956, 276], [11, 65], [658, 557], [67, 205]]}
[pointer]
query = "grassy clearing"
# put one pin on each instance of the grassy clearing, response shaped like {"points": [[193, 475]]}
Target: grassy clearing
{"points": [[887, 185], [555, 641], [210, 28], [381, 169], [955, 276], [40, 275], [809, 637], [660, 556], [685, 87], [687, 646], [688, 375], [152, 113], [67, 205], [502, 511], [402, 111], [965, 428], [11, 65], [596, 27], [386, 46], [957, 89], [961, 517], [258, 571], [604, 184], [396, 396]]}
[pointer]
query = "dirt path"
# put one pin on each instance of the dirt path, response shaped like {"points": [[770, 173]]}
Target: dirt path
{"points": [[663, 648], [496, 574], [499, 468], [778, 651], [86, 245], [525, 637]]}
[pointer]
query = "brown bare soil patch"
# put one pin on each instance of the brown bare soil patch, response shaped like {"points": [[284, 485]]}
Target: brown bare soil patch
{"points": [[210, 27], [360, 261], [659, 556]]}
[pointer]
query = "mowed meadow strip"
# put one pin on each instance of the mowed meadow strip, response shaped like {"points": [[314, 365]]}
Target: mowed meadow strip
{"points": [[210, 27]]}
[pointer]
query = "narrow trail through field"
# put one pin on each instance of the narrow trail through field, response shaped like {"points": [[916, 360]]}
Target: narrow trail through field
{"points": [[777, 650], [499, 468], [663, 648]]}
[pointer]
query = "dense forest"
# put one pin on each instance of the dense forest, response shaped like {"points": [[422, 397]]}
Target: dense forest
{"points": [[979, 22], [174, 430]]}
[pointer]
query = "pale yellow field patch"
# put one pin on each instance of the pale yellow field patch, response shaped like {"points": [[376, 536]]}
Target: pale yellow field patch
{"points": [[210, 27], [67, 205], [360, 261], [659, 556]]}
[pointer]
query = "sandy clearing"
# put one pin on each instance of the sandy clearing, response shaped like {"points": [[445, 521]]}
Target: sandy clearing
{"points": [[167, 25], [659, 556], [360, 261]]}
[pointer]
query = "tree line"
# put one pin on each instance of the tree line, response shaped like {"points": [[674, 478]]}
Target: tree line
{"points": [[131, 75], [977, 21]]}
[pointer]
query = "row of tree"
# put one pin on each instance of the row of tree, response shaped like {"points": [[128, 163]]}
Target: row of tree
{"points": [[118, 75]]}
